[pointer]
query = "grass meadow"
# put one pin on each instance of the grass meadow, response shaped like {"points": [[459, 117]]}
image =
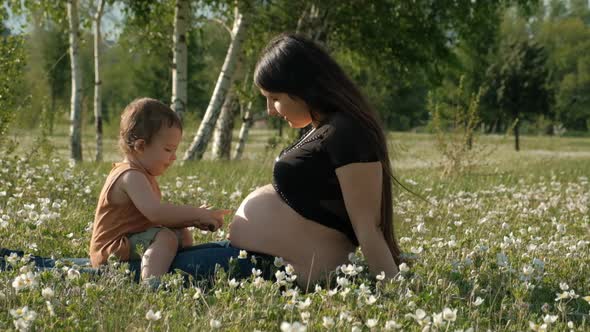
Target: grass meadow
{"points": [[503, 247]]}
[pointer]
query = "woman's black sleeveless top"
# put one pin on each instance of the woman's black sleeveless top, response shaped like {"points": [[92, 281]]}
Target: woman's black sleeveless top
{"points": [[304, 173]]}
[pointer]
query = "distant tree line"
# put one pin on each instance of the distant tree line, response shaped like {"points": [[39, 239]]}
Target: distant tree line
{"points": [[531, 61]]}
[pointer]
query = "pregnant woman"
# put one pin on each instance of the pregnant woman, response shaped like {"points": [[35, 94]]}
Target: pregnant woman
{"points": [[331, 190]]}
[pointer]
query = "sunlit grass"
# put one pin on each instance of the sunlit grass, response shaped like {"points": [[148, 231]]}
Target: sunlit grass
{"points": [[505, 247]]}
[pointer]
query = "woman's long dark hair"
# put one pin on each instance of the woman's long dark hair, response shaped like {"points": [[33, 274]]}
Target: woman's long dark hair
{"points": [[295, 65]]}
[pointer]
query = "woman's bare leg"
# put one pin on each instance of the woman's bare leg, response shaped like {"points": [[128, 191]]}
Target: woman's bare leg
{"points": [[159, 255]]}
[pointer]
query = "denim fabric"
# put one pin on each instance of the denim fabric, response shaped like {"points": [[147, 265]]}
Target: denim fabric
{"points": [[198, 261]]}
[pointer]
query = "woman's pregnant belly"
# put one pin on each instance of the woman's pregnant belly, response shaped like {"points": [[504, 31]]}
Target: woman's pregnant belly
{"points": [[265, 223]]}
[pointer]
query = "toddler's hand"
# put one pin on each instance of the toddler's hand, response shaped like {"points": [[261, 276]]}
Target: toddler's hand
{"points": [[212, 220]]}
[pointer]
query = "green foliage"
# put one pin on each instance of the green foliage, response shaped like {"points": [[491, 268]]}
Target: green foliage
{"points": [[568, 43], [12, 64], [518, 80]]}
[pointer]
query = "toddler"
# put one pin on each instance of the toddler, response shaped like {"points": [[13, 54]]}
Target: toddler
{"points": [[129, 211]]}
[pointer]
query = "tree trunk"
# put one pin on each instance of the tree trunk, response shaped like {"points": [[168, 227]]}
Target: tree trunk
{"points": [[179, 62], [247, 122], [516, 139], [97, 80], [313, 22], [52, 111], [223, 129], [201, 139], [76, 100]]}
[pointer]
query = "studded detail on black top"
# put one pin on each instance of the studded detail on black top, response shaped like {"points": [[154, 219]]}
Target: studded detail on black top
{"points": [[304, 173]]}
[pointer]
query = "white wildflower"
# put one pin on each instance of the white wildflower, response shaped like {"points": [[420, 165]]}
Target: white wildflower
{"points": [[562, 296], [305, 316], [380, 276], [235, 195], [21, 324], [437, 319], [371, 300], [25, 280], [549, 319], [278, 262], [214, 324], [449, 314], [353, 258], [258, 282], [351, 269], [502, 259], [293, 327], [12, 259], [404, 268], [73, 274], [302, 305], [527, 270], [327, 322], [342, 281], [416, 250], [198, 293], [419, 315], [289, 269], [539, 328], [280, 276], [478, 301], [371, 323], [50, 308], [47, 293], [392, 325], [153, 316], [233, 283], [344, 292], [243, 254]]}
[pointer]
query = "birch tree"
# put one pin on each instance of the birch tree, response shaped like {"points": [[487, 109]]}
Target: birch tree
{"points": [[201, 139], [76, 98], [248, 120], [97, 79], [222, 136], [223, 129], [179, 64], [246, 101]]}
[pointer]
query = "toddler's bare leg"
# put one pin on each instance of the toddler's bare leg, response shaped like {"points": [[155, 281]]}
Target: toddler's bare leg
{"points": [[159, 255], [187, 237]]}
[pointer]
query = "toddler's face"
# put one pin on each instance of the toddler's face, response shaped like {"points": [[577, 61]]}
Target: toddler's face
{"points": [[157, 156]]}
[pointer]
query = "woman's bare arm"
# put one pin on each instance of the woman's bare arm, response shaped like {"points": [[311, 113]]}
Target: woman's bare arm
{"points": [[361, 185]]}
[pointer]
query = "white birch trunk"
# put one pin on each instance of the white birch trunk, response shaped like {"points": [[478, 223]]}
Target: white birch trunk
{"points": [[97, 80], [76, 100], [179, 64], [223, 129], [201, 139], [247, 122]]}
